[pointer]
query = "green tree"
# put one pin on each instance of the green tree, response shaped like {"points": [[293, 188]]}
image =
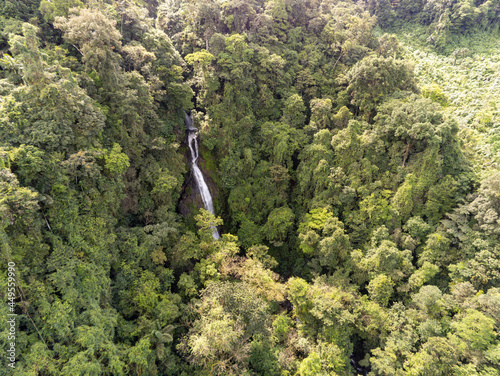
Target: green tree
{"points": [[279, 223], [96, 38], [63, 115], [381, 289], [53, 9], [374, 78], [220, 339], [323, 237]]}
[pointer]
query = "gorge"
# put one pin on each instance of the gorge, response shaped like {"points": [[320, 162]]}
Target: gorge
{"points": [[192, 138]]}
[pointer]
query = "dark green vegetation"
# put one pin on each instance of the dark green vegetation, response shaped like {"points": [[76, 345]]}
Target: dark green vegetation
{"points": [[356, 214]]}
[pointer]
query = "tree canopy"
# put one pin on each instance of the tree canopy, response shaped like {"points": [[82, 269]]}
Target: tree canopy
{"points": [[351, 150]]}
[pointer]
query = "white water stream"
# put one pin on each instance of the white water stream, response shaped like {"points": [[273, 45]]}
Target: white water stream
{"points": [[198, 176]]}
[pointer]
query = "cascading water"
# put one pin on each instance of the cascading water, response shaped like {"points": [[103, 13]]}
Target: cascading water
{"points": [[198, 176]]}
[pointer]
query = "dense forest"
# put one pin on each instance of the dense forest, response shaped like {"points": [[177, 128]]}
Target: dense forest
{"points": [[351, 149]]}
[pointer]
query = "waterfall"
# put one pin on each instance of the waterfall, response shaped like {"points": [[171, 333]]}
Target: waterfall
{"points": [[188, 120], [198, 176]]}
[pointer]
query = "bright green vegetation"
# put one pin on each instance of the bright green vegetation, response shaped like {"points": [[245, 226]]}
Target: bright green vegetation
{"points": [[354, 149], [466, 81]]}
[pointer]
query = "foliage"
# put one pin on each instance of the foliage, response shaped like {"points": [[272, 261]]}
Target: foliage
{"points": [[351, 149]]}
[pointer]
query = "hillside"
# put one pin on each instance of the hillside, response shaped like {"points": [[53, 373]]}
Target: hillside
{"points": [[346, 152]]}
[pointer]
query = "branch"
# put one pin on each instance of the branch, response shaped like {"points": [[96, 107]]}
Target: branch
{"points": [[21, 294], [81, 53], [47, 223], [407, 151], [19, 290], [341, 54]]}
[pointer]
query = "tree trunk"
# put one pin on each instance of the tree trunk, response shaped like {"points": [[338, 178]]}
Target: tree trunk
{"points": [[407, 151]]}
